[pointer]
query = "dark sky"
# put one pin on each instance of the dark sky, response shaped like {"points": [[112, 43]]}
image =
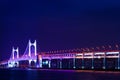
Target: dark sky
{"points": [[58, 24]]}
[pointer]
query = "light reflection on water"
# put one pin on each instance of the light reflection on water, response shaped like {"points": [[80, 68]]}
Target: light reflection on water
{"points": [[56, 75]]}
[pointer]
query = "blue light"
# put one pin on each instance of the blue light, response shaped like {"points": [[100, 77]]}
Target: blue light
{"points": [[45, 62]]}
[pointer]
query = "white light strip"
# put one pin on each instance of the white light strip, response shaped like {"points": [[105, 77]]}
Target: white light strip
{"points": [[112, 53], [88, 57], [88, 54], [80, 54], [100, 53], [98, 56], [112, 56], [78, 57]]}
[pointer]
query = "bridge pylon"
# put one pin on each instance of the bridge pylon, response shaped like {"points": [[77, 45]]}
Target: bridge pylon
{"points": [[32, 47], [15, 53], [13, 61]]}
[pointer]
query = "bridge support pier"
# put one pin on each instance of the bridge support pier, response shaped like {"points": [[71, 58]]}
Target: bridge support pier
{"points": [[49, 63], [10, 64], [83, 61], [60, 63], [40, 63], [104, 61], [93, 61], [74, 63], [30, 61], [119, 60], [13, 64], [16, 64]]}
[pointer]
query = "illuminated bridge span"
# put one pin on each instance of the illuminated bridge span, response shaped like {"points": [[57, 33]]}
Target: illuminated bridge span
{"points": [[63, 60]]}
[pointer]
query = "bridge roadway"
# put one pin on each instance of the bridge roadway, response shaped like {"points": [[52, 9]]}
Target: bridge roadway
{"points": [[86, 60]]}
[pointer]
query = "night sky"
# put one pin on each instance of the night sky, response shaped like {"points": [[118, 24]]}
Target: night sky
{"points": [[58, 24]]}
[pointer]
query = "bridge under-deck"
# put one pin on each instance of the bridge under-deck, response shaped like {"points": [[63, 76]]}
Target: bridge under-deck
{"points": [[76, 63]]}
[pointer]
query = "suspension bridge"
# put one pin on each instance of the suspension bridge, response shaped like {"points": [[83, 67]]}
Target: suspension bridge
{"points": [[29, 55], [64, 59]]}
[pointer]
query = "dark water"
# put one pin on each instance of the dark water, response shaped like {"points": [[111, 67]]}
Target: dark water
{"points": [[6, 74]]}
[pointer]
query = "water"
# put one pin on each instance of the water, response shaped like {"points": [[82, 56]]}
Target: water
{"points": [[35, 74]]}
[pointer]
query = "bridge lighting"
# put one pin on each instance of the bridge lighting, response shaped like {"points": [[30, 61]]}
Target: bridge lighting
{"points": [[112, 53], [45, 62], [99, 53], [80, 54], [92, 48], [35, 46], [89, 57], [15, 53], [37, 66], [11, 64], [103, 47], [109, 46], [82, 49], [88, 54], [67, 54], [116, 46], [99, 57]]}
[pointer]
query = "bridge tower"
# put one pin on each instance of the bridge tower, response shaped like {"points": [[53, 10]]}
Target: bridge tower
{"points": [[13, 61], [15, 53], [32, 53]]}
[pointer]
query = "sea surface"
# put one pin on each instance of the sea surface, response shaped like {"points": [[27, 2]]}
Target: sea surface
{"points": [[45, 74]]}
